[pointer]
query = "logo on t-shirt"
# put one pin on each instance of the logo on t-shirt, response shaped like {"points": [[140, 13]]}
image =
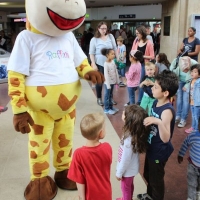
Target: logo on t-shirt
{"points": [[59, 54]]}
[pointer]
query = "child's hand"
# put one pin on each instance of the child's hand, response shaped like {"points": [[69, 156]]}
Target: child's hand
{"points": [[145, 82], [184, 89], [119, 179], [180, 159], [150, 120], [150, 82]]}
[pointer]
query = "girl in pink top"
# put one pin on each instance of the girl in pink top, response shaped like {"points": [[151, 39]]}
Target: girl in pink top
{"points": [[133, 74], [141, 43]]}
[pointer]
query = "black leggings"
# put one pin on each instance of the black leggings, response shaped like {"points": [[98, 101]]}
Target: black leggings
{"points": [[99, 86]]}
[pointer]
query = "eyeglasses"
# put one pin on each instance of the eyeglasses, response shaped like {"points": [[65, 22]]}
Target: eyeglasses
{"points": [[103, 29]]}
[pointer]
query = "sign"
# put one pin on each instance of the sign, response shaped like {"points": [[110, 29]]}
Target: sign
{"points": [[127, 16]]}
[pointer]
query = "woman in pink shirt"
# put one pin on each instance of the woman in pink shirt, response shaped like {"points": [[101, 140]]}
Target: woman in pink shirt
{"points": [[144, 45], [133, 75]]}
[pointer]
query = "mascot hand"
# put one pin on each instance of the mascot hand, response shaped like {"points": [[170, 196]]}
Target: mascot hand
{"points": [[95, 77], [21, 122]]}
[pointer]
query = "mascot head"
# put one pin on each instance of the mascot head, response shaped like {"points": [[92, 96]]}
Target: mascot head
{"points": [[55, 17]]}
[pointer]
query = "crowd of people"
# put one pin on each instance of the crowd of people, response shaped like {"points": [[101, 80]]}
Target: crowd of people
{"points": [[148, 122]]}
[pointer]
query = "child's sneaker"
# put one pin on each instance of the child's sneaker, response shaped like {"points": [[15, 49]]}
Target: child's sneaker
{"points": [[122, 84], [115, 109], [182, 123], [144, 196], [177, 119], [110, 112], [3, 109], [127, 104], [189, 130]]}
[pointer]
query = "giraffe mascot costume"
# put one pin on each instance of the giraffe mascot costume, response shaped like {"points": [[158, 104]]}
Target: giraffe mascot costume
{"points": [[44, 86]]}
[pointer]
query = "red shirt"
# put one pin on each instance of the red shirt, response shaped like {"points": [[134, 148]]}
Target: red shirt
{"points": [[91, 166]]}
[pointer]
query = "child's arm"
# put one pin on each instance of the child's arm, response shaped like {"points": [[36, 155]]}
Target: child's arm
{"points": [[106, 76], [163, 124], [81, 191], [183, 149]]}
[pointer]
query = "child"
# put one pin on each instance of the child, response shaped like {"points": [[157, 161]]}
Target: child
{"points": [[162, 63], [121, 49], [133, 75], [147, 84], [162, 122], [111, 78], [133, 142], [90, 167], [192, 141], [194, 97]]}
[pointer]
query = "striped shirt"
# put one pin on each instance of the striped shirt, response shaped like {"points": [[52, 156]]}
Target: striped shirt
{"points": [[192, 141]]}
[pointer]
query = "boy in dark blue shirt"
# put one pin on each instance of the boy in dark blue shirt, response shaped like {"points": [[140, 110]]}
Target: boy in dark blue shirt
{"points": [[162, 122]]}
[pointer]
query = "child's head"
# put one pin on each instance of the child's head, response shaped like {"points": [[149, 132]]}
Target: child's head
{"points": [[120, 40], [136, 55], [93, 126], [166, 85], [133, 117], [150, 69], [162, 58], [195, 71], [109, 53]]}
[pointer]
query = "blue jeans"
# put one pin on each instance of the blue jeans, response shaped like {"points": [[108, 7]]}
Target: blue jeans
{"points": [[141, 91], [131, 94], [122, 72], [108, 97], [182, 103], [195, 111]]}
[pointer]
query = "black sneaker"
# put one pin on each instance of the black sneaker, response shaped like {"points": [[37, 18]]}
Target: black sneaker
{"points": [[122, 84], [127, 104], [144, 196], [99, 102]]}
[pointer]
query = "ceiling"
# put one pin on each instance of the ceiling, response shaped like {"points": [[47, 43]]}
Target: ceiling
{"points": [[18, 5]]}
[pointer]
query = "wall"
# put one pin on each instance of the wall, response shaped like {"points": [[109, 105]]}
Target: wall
{"points": [[180, 12], [112, 13]]}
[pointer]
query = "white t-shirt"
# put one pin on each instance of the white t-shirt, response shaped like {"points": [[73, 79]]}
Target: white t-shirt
{"points": [[110, 74], [128, 161], [46, 60]]}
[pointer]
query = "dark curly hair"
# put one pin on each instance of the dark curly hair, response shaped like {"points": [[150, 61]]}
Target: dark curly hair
{"points": [[138, 56], [134, 117], [105, 51]]}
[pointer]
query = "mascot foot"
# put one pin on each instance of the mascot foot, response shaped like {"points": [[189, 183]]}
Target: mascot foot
{"points": [[41, 189], [63, 182]]}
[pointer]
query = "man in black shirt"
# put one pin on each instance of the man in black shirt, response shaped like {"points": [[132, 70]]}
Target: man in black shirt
{"points": [[88, 37]]}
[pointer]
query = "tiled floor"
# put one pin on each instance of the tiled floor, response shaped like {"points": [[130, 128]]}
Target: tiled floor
{"points": [[15, 175]]}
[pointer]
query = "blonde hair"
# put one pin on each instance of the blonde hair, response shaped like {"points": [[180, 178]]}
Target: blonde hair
{"points": [[150, 64], [91, 125]]}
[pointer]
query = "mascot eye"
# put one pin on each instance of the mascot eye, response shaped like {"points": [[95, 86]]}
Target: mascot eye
{"points": [[76, 2]]}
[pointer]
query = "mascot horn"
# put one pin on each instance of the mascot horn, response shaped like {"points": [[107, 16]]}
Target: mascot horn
{"points": [[44, 86]]}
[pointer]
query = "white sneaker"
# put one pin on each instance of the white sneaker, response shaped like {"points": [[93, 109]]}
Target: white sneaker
{"points": [[177, 119], [182, 123], [115, 109]]}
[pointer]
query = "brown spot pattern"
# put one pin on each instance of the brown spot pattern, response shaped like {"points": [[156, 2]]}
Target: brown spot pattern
{"points": [[46, 150], [58, 120], [45, 111], [38, 129], [25, 97], [82, 67], [63, 141], [64, 103], [46, 141], [17, 93], [14, 82], [34, 144], [21, 102], [42, 90], [70, 153], [59, 156], [72, 114], [39, 167], [33, 155]]}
